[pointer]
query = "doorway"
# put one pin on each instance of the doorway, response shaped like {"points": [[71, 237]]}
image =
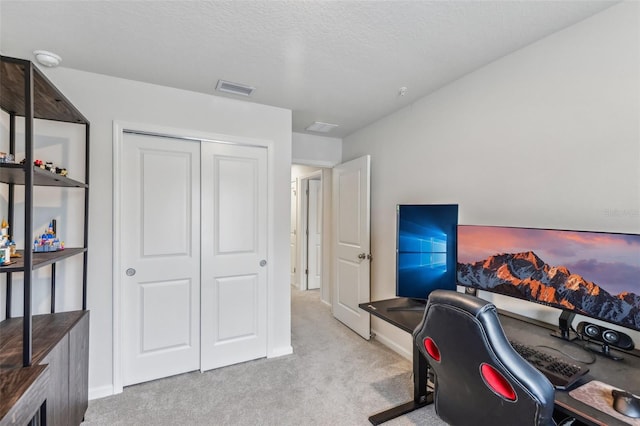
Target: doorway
{"points": [[309, 229], [345, 260]]}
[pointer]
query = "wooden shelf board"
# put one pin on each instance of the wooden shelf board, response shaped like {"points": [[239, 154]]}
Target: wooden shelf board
{"points": [[19, 383], [41, 259], [14, 173], [48, 102]]}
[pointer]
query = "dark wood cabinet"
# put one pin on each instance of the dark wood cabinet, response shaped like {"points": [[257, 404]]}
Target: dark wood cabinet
{"points": [[61, 345], [79, 370], [58, 392]]}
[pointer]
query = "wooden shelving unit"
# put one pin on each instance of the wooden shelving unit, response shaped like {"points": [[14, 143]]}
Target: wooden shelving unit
{"points": [[26, 92]]}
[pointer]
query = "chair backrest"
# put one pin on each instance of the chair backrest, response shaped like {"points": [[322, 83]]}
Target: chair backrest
{"points": [[479, 378]]}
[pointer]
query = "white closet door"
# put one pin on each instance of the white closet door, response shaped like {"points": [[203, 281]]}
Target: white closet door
{"points": [[160, 255], [234, 253]]}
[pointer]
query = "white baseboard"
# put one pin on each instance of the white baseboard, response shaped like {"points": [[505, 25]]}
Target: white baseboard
{"points": [[288, 350], [101, 392], [394, 346]]}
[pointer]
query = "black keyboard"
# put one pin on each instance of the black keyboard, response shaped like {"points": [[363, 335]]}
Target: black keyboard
{"points": [[561, 373]]}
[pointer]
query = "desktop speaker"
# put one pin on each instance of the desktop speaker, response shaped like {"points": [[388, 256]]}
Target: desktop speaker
{"points": [[603, 335]]}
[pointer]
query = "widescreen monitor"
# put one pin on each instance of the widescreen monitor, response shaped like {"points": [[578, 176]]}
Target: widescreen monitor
{"points": [[425, 249], [595, 274]]}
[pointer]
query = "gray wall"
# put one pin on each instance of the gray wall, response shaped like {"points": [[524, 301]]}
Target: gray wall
{"points": [[548, 136]]}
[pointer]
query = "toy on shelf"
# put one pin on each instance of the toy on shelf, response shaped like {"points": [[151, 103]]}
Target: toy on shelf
{"points": [[7, 247], [48, 241], [6, 158], [49, 166]]}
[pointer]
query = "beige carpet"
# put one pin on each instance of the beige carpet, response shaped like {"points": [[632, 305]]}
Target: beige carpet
{"points": [[334, 377]]}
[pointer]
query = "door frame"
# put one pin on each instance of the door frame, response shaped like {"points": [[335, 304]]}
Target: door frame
{"points": [[293, 241], [302, 219], [121, 127]]}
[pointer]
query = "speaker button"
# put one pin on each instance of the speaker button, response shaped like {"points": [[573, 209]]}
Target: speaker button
{"points": [[592, 330], [610, 336]]}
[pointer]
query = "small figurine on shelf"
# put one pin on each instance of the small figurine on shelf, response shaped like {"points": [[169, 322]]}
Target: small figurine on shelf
{"points": [[4, 228], [5, 243], [6, 158], [48, 241]]}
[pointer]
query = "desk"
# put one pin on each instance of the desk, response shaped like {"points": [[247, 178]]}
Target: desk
{"points": [[406, 321], [623, 374]]}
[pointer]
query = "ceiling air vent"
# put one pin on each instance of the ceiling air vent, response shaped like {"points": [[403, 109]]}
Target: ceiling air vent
{"points": [[234, 88], [321, 127]]}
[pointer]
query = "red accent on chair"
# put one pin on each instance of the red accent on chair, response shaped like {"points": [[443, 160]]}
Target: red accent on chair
{"points": [[497, 382], [432, 349]]}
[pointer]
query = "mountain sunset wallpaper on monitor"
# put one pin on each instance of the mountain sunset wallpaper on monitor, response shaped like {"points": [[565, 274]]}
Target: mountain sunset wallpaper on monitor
{"points": [[596, 274]]}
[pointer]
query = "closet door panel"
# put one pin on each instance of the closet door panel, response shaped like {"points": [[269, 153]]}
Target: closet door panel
{"points": [[234, 243], [160, 257]]}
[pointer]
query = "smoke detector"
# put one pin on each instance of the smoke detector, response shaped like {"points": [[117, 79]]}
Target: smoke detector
{"points": [[46, 58], [321, 127], [234, 88]]}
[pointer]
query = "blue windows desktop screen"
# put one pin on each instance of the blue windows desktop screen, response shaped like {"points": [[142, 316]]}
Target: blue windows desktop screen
{"points": [[425, 249]]}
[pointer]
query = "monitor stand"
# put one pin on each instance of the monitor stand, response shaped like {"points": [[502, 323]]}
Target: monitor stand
{"points": [[410, 305], [564, 331]]}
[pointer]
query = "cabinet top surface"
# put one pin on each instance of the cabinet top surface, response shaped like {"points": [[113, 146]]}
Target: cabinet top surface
{"points": [[48, 102], [48, 330]]}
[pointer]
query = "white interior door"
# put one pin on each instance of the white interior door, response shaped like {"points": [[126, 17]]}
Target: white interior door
{"points": [[234, 254], [351, 222], [293, 233], [314, 234], [160, 255]]}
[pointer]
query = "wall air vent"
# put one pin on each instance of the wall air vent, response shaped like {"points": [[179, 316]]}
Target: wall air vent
{"points": [[234, 88]]}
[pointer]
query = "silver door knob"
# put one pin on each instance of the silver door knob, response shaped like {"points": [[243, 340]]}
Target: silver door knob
{"points": [[263, 263], [362, 256], [130, 272]]}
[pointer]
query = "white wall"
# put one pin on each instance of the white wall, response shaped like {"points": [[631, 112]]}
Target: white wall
{"points": [[316, 150], [298, 171], [548, 136], [104, 99]]}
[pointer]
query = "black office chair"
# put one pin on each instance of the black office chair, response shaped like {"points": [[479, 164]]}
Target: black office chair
{"points": [[479, 378]]}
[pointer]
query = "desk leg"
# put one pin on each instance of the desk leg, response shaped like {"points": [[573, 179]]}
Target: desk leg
{"points": [[421, 396], [420, 371]]}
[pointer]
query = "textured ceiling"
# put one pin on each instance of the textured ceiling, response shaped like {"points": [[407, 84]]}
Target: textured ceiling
{"points": [[340, 62]]}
